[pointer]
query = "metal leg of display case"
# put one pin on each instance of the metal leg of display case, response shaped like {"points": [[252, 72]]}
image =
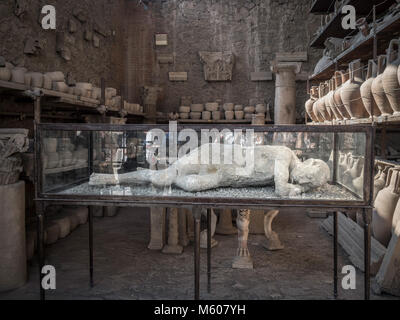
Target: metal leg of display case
{"points": [[40, 251], [209, 250], [91, 245], [197, 221], [367, 253], [335, 254]]}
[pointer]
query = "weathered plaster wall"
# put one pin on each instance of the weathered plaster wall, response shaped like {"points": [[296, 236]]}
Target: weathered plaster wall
{"points": [[87, 63], [254, 30]]}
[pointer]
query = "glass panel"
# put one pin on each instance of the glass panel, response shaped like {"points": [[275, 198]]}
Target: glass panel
{"points": [[64, 159], [205, 164], [350, 173]]}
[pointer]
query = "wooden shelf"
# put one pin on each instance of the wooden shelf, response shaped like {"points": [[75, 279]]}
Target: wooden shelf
{"points": [[334, 27], [51, 97], [381, 121], [363, 50], [322, 6]]}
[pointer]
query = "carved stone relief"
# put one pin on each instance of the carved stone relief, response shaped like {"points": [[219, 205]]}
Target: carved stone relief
{"points": [[218, 66]]}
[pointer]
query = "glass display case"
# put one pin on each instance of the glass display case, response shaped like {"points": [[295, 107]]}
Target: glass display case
{"points": [[218, 165]]}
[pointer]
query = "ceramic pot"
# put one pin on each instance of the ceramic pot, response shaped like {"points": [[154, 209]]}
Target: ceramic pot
{"points": [[351, 94], [228, 106], [60, 86], [66, 158], [340, 78], [53, 160], [315, 107], [310, 104], [378, 91], [390, 79], [330, 102], [385, 204], [229, 115], [261, 108], [356, 169], [363, 26], [36, 79], [50, 145], [56, 76], [358, 184], [18, 75], [379, 182], [239, 115], [326, 114], [5, 74], [396, 217], [47, 82], [366, 93]]}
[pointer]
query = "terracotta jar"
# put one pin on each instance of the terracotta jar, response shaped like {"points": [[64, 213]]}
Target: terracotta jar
{"points": [[315, 107], [390, 79], [351, 94], [330, 101], [396, 217], [340, 78], [310, 104], [366, 93], [377, 89], [325, 113], [385, 204], [379, 182]]}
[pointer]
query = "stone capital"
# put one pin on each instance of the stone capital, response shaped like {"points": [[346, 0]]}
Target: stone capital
{"points": [[277, 67]]}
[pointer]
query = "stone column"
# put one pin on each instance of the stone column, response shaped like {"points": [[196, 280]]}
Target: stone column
{"points": [[173, 246], [157, 229], [225, 226], [13, 268], [243, 259], [285, 91]]}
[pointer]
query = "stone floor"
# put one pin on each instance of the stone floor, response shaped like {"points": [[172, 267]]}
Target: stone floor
{"points": [[126, 269]]}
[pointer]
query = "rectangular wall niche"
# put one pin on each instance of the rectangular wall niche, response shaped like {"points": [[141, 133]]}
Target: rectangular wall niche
{"points": [[178, 76], [161, 39]]}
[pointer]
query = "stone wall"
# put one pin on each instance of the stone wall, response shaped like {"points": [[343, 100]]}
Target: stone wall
{"points": [[253, 30], [88, 63]]}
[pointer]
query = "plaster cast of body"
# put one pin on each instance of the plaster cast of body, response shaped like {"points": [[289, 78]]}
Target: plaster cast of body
{"points": [[270, 165]]}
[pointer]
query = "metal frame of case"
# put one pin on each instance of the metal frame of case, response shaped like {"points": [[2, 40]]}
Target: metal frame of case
{"points": [[365, 205]]}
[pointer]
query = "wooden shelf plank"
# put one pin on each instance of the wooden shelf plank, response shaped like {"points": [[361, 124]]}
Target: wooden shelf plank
{"points": [[334, 27], [364, 49]]}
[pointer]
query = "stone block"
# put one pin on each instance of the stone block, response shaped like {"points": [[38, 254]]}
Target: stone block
{"points": [[165, 58], [292, 56], [161, 39], [261, 76], [178, 76]]}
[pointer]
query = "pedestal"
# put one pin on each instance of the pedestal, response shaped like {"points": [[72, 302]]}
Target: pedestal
{"points": [[157, 232], [272, 242], [225, 226], [285, 91], [13, 269], [173, 247], [243, 260]]}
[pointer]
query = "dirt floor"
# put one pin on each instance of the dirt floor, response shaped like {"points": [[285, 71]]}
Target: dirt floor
{"points": [[126, 269]]}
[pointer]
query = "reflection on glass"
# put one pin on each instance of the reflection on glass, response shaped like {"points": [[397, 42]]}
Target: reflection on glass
{"points": [[227, 164]]}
